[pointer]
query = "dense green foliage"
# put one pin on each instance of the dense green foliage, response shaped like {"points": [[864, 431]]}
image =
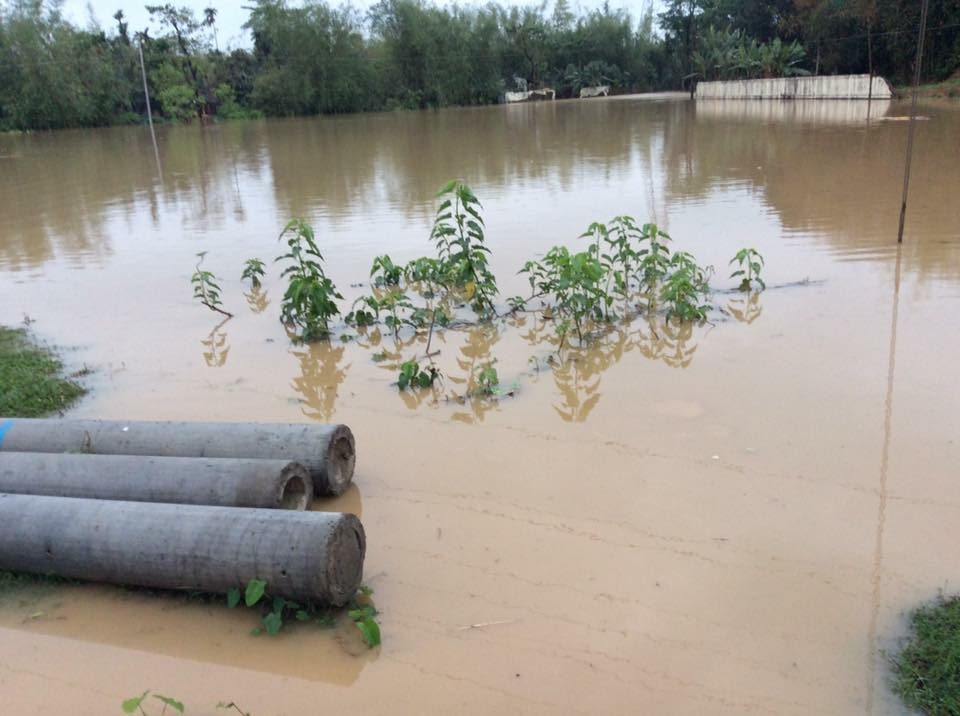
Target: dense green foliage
{"points": [[626, 270], [31, 378], [322, 58], [927, 670], [730, 54]]}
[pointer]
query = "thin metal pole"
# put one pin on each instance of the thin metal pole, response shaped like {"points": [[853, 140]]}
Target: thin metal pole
{"points": [[913, 118], [146, 92], [869, 66]]}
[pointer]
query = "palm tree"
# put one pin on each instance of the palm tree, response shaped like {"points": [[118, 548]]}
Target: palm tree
{"points": [[209, 20]]}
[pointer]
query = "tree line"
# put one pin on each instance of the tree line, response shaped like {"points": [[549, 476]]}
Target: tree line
{"points": [[318, 57]]}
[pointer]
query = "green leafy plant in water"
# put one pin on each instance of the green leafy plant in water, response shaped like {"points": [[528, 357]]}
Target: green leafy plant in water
{"points": [[205, 287], [364, 312], [310, 301], [517, 303], [135, 703], [624, 263], [412, 375], [425, 277], [427, 291], [750, 262], [278, 611], [487, 379], [575, 283], [390, 298], [364, 614], [458, 233], [275, 611], [430, 279], [384, 272], [684, 288], [622, 239], [601, 237], [426, 271], [253, 270], [654, 257], [398, 307]]}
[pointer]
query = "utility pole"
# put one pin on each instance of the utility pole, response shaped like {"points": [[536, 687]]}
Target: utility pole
{"points": [[143, 72], [869, 64], [913, 118], [146, 94]]}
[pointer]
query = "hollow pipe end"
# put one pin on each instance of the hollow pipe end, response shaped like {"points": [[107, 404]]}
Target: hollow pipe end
{"points": [[338, 463], [295, 489]]}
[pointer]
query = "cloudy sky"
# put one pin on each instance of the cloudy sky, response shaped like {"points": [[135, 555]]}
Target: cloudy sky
{"points": [[231, 15]]}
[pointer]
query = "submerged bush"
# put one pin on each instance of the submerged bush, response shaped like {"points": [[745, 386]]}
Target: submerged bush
{"points": [[625, 264]]}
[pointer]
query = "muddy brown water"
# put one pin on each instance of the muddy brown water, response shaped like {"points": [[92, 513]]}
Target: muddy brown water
{"points": [[732, 518]]}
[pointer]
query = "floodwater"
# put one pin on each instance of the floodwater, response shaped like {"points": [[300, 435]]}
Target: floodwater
{"points": [[732, 518]]}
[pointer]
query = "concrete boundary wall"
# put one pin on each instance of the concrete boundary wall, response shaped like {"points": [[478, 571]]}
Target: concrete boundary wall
{"points": [[822, 87]]}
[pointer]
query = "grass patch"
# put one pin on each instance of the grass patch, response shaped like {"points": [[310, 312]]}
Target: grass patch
{"points": [[32, 383], [927, 670], [16, 583], [947, 88]]}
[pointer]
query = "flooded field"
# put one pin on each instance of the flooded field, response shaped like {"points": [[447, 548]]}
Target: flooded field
{"points": [[731, 518]]}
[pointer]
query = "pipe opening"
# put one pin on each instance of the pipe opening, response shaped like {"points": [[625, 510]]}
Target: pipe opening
{"points": [[294, 495], [343, 448], [340, 462]]}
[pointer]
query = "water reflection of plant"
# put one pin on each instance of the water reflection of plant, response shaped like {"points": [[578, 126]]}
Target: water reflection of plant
{"points": [[321, 375], [257, 299], [216, 348], [668, 341], [388, 349], [577, 372], [578, 375], [579, 387], [745, 309], [474, 359]]}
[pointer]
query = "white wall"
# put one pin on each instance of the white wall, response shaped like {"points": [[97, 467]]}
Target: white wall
{"points": [[822, 87]]}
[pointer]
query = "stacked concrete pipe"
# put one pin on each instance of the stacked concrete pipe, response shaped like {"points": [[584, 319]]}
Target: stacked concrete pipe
{"points": [[75, 501], [328, 451], [225, 482]]}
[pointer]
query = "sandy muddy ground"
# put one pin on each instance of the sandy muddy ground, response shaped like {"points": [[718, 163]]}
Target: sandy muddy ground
{"points": [[731, 518]]}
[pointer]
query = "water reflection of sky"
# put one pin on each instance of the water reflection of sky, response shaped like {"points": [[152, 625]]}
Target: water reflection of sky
{"points": [[544, 172]]}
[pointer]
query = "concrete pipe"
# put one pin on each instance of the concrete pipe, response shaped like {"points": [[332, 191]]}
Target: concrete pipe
{"points": [[328, 451], [315, 556], [229, 482]]}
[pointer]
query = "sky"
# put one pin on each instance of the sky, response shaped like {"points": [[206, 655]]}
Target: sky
{"points": [[231, 15]]}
